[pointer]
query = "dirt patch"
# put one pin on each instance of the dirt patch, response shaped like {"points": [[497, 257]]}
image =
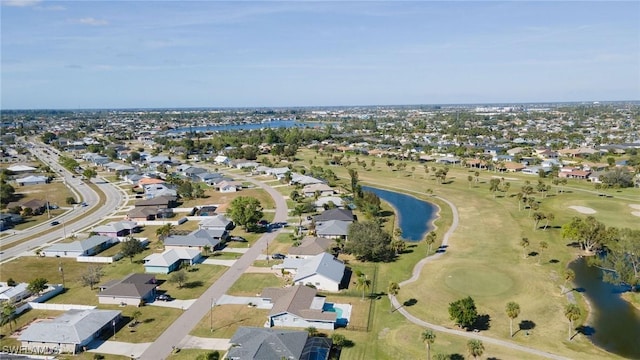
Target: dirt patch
{"points": [[635, 206], [583, 210]]}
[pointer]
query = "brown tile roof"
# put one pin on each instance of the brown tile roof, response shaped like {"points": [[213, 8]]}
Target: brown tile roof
{"points": [[296, 300]]}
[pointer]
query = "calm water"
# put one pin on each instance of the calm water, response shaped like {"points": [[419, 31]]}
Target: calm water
{"points": [[615, 323], [414, 215], [252, 126]]}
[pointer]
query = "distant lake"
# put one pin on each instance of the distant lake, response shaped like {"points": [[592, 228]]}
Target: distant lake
{"points": [[250, 126], [415, 216]]}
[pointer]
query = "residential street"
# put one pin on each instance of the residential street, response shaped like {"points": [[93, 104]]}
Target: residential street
{"points": [[174, 335]]}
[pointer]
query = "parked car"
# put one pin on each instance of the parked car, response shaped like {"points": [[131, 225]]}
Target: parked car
{"points": [[278, 256], [164, 297], [84, 204], [54, 223]]}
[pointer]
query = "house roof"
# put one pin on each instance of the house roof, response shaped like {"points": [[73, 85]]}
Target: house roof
{"points": [[322, 264], [335, 214], [169, 257], [217, 221], [32, 179], [148, 181], [337, 201], [34, 204], [312, 188], [115, 227], [155, 201], [133, 285], [145, 211], [18, 168], [80, 245], [72, 327], [311, 246], [333, 228], [8, 292], [196, 238], [267, 344], [298, 300]]}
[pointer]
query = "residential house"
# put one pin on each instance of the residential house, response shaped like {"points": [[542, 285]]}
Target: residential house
{"points": [[298, 306], [88, 247], [228, 186], [310, 246], [198, 239], [158, 190], [171, 260], [320, 189], [14, 294], [21, 169], [304, 179], [249, 343], [335, 214], [8, 220], [117, 228], [134, 289], [333, 229], [323, 271], [158, 160], [329, 202], [69, 332], [32, 180], [222, 160], [216, 222]]}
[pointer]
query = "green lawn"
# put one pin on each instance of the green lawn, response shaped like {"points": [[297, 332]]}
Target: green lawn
{"points": [[252, 284]]}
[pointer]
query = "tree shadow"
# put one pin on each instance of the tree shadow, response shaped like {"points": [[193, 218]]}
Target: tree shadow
{"points": [[574, 244], [410, 302], [482, 323], [533, 253], [554, 261], [586, 330], [456, 357], [192, 284], [148, 321], [526, 325], [386, 213]]}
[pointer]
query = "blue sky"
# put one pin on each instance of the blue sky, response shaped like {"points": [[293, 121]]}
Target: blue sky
{"points": [[124, 54]]}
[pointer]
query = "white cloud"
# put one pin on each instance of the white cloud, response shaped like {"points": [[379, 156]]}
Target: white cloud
{"points": [[93, 21], [20, 3]]}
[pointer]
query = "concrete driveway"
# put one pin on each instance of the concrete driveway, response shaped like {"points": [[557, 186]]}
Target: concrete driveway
{"points": [[118, 348], [194, 342], [175, 303]]}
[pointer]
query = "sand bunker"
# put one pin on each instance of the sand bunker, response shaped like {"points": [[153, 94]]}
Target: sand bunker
{"points": [[583, 209], [635, 206], [636, 213]]}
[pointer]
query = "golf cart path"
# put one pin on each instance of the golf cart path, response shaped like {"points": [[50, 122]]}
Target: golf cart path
{"points": [[416, 275]]}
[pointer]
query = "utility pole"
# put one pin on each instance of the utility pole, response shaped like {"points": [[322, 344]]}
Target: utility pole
{"points": [[48, 207], [61, 272]]}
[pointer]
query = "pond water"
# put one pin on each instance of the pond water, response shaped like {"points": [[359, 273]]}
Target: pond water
{"points": [[614, 323], [415, 216]]}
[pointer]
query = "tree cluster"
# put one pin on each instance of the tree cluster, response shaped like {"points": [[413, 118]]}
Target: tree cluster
{"points": [[463, 312], [245, 211], [368, 242]]}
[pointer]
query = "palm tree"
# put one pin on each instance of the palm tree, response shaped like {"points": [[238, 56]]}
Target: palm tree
{"points": [[477, 175], [470, 179], [549, 217], [537, 217], [398, 245], [569, 275], [513, 310], [525, 244], [393, 290], [572, 313], [475, 348], [430, 239], [543, 247], [299, 211], [428, 337], [363, 283], [164, 231], [8, 315]]}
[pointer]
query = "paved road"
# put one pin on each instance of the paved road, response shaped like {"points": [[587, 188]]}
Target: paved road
{"points": [[48, 233], [181, 328]]}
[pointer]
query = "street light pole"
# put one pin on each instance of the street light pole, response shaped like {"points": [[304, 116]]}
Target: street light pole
{"points": [[61, 272], [213, 303]]}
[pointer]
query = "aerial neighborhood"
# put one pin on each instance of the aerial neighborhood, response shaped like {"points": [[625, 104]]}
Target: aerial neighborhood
{"points": [[157, 234]]}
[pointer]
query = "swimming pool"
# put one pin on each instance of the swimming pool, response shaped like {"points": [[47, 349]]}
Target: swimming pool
{"points": [[331, 308], [343, 312]]}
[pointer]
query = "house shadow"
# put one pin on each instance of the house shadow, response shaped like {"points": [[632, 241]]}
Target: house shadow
{"points": [[346, 278]]}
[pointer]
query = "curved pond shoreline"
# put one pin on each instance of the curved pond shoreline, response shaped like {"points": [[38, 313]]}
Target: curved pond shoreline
{"points": [[613, 323], [414, 216]]}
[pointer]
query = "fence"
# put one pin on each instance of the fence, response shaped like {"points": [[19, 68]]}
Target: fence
{"points": [[99, 259], [59, 307]]}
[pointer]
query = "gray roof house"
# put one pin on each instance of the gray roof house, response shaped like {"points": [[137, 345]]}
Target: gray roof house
{"points": [[170, 260], [335, 214], [87, 247], [134, 289], [333, 228], [216, 222], [250, 343], [32, 180], [298, 306], [70, 331], [116, 228], [197, 239], [14, 294]]}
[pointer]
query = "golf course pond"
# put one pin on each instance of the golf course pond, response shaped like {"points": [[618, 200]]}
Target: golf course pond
{"points": [[415, 216], [613, 324]]}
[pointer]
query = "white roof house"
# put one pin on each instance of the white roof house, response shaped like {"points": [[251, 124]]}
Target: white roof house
{"points": [[14, 293], [323, 271], [21, 168], [333, 228], [216, 222], [90, 246], [32, 180]]}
